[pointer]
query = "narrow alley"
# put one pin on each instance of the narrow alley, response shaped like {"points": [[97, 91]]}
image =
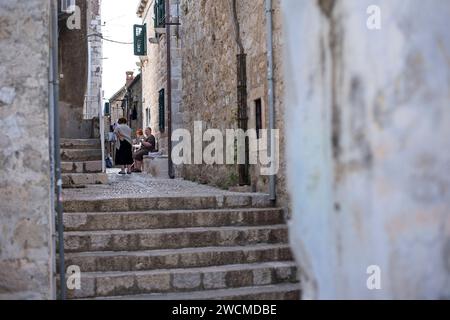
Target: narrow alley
{"points": [[224, 150]]}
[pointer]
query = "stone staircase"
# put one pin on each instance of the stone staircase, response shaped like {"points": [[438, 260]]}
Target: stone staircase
{"points": [[81, 162], [150, 249]]}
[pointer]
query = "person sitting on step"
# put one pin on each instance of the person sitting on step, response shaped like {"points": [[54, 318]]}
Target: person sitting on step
{"points": [[148, 146]]}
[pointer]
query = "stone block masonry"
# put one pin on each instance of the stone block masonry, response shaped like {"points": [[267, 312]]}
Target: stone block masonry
{"points": [[209, 72], [26, 250]]}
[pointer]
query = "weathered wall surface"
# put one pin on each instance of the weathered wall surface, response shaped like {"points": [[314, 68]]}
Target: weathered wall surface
{"points": [[94, 92], [26, 251], [154, 74], [73, 48], [135, 101], [369, 125], [210, 77], [81, 72]]}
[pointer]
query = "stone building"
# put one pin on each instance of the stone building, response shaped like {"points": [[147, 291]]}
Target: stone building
{"points": [[212, 36], [368, 122], [117, 106], [205, 49], [154, 69], [27, 240], [80, 69], [127, 103], [26, 245], [134, 96]]}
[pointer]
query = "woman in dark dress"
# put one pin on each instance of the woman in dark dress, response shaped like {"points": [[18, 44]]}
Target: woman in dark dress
{"points": [[124, 154]]}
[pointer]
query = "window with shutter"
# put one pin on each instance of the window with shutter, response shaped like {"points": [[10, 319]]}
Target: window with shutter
{"points": [[162, 111], [160, 13]]}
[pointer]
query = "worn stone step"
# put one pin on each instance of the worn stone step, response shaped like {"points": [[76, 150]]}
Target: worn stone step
{"points": [[177, 258], [168, 203], [284, 291], [80, 144], [81, 155], [81, 179], [137, 240], [182, 280], [171, 219], [82, 167]]}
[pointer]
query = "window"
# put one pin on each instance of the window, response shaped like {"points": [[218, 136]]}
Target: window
{"points": [[67, 6], [160, 13], [148, 117], [140, 40], [258, 117], [162, 111]]}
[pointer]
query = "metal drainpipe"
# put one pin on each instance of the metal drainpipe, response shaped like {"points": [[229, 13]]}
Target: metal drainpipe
{"points": [[51, 121], [271, 91], [169, 89], [57, 150]]}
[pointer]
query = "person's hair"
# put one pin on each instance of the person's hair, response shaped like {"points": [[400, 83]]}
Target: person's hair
{"points": [[140, 132], [122, 121]]}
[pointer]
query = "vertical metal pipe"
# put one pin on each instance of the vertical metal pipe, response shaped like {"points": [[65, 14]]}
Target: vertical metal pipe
{"points": [[57, 150], [271, 92], [51, 117], [169, 88], [244, 169]]}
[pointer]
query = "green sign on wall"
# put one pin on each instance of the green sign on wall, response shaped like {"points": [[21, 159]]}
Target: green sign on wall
{"points": [[140, 40]]}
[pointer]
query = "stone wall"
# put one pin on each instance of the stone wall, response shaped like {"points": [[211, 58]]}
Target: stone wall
{"points": [[94, 94], [79, 88], [135, 101], [209, 60], [26, 249], [369, 133], [154, 74]]}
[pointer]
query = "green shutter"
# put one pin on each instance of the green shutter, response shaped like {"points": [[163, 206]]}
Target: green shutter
{"points": [[107, 108], [160, 13], [140, 40], [162, 111]]}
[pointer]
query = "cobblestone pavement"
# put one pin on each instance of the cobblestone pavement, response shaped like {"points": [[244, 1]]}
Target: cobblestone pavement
{"points": [[142, 185]]}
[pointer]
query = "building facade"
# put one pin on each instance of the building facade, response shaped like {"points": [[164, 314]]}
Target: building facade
{"points": [[27, 252], [368, 122], [134, 96], [127, 103], [206, 49], [214, 35], [154, 70], [80, 69]]}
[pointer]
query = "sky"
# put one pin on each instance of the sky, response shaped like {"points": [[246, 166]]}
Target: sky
{"points": [[118, 18]]}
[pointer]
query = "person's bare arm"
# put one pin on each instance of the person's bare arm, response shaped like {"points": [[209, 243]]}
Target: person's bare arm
{"points": [[147, 144]]}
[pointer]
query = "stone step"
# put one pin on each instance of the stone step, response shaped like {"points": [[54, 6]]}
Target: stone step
{"points": [[171, 219], [82, 167], [285, 291], [80, 144], [177, 258], [81, 179], [173, 238], [81, 155], [168, 203], [182, 280]]}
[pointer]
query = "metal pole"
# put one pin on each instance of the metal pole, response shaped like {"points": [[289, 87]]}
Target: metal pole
{"points": [[271, 94], [169, 88], [57, 149], [51, 120]]}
